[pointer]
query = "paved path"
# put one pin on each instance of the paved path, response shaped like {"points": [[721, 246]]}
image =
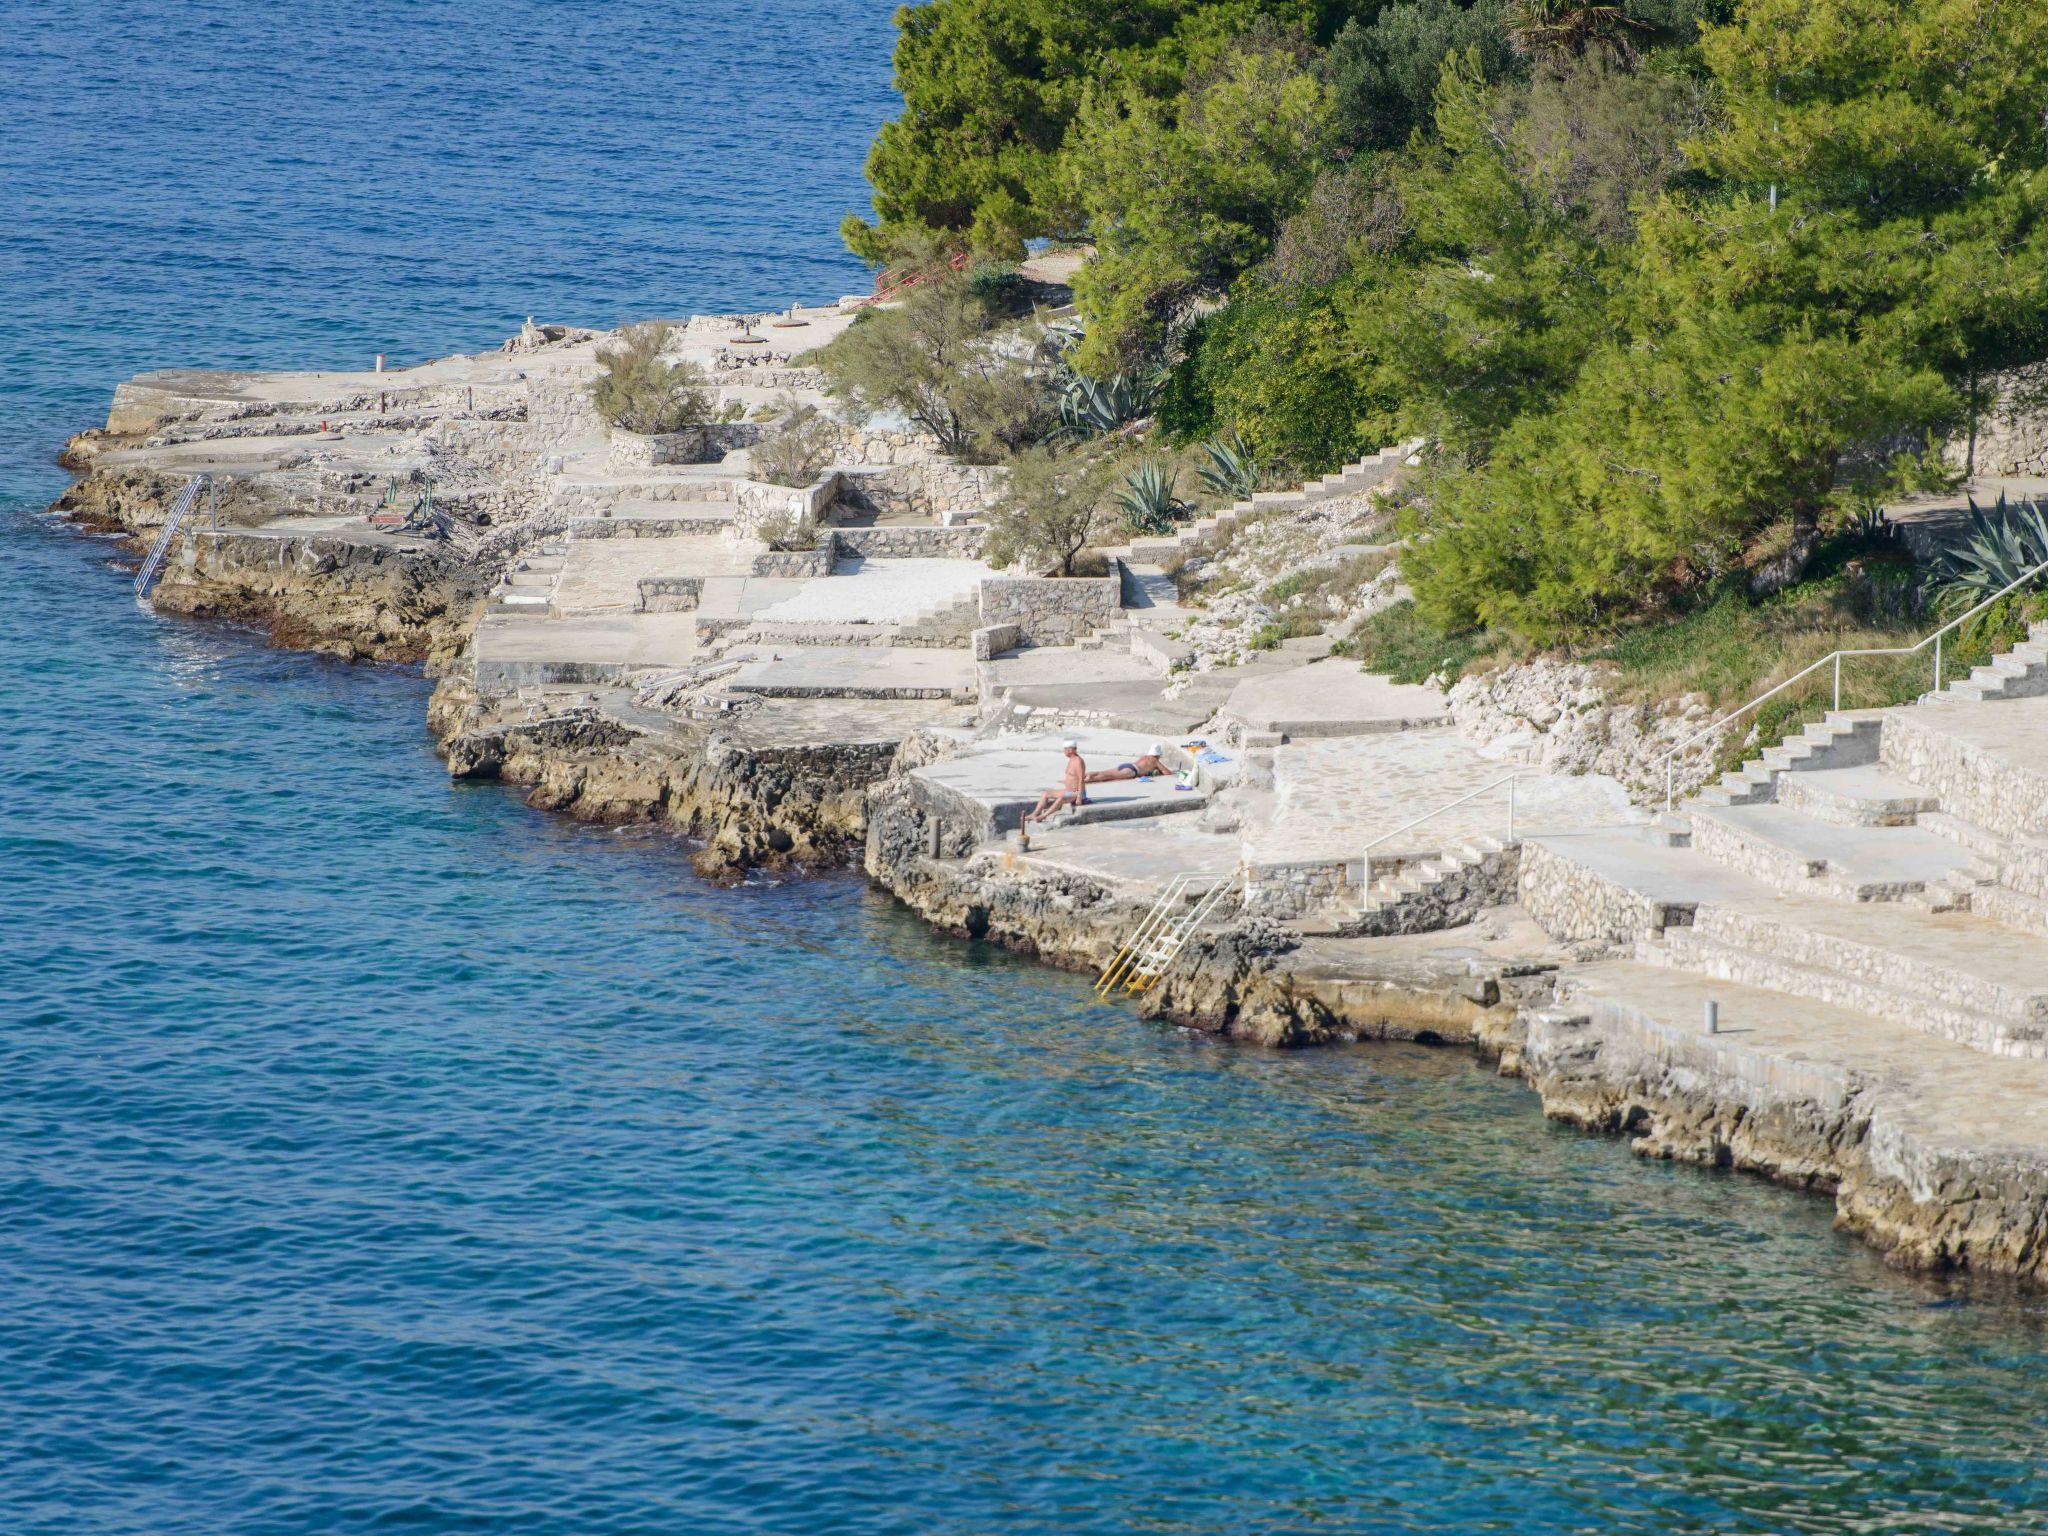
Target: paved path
{"points": [[1331, 798], [1334, 698]]}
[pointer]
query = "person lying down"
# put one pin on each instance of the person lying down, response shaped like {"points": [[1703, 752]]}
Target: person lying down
{"points": [[1149, 766]]}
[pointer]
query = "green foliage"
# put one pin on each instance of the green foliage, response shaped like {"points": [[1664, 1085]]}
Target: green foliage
{"points": [[641, 391], [2002, 546], [1150, 498], [1755, 369], [937, 358], [1285, 371], [1232, 468], [1185, 193], [1384, 69], [797, 447], [1052, 507], [1404, 645], [990, 90]]}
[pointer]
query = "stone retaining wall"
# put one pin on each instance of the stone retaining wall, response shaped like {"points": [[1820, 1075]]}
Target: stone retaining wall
{"points": [[799, 562], [1051, 610], [1577, 906], [1990, 790], [921, 489], [701, 443], [670, 594], [962, 542], [758, 504]]}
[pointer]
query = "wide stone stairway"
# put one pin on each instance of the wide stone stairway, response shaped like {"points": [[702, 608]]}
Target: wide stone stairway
{"points": [[1891, 866]]}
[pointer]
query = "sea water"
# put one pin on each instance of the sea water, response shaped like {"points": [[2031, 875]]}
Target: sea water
{"points": [[378, 1154]]}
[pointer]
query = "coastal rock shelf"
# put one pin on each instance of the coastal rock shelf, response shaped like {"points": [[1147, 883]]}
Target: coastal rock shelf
{"points": [[1867, 906]]}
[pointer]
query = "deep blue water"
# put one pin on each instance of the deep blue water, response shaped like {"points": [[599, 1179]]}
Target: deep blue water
{"points": [[377, 1154]]}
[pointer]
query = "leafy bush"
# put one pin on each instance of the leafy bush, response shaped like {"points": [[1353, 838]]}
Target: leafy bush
{"points": [[640, 391], [1285, 373], [796, 449], [1150, 499], [2002, 545], [1051, 507], [937, 358], [787, 531]]}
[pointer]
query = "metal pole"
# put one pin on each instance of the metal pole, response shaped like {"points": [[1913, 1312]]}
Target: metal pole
{"points": [[1713, 1017], [1669, 768], [1365, 883], [1838, 680], [1937, 661]]}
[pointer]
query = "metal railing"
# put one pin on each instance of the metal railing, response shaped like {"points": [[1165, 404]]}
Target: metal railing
{"points": [[1365, 875], [1835, 659], [166, 535], [1164, 932]]}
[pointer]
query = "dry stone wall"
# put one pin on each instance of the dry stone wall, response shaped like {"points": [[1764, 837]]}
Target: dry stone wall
{"points": [[1051, 610]]}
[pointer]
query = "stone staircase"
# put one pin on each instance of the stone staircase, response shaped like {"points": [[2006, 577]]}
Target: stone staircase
{"points": [[1426, 880], [527, 589], [1893, 863], [2021, 672], [1210, 532]]}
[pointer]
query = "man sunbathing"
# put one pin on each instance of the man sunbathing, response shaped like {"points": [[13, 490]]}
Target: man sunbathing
{"points": [[1149, 766], [1073, 788]]}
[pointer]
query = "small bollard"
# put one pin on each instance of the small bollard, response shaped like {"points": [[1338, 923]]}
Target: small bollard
{"points": [[1713, 1017], [380, 362]]}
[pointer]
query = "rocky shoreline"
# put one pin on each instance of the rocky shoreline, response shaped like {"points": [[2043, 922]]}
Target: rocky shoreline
{"points": [[755, 799]]}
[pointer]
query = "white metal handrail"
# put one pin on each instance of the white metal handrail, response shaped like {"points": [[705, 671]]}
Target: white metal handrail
{"points": [[1835, 659], [1365, 875]]}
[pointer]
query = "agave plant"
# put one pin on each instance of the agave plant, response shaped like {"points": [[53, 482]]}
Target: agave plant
{"points": [[2000, 547], [1150, 500], [1233, 472], [1096, 407]]}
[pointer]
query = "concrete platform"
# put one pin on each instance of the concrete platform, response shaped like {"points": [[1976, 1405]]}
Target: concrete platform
{"points": [[859, 672], [877, 592], [1662, 875], [1331, 798], [1006, 776], [1334, 697], [517, 652], [1944, 1096], [1864, 857]]}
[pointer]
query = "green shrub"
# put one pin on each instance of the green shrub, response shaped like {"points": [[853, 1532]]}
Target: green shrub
{"points": [[642, 392], [1284, 373], [1051, 507], [1408, 648], [796, 449]]}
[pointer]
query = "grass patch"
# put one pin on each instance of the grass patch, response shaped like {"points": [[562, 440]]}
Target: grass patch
{"points": [[1731, 648], [1398, 642]]}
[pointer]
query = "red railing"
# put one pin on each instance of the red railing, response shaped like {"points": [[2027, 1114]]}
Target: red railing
{"points": [[887, 290]]}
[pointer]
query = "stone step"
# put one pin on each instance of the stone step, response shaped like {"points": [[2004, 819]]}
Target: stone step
{"points": [[1915, 964], [1987, 763], [1844, 739], [1856, 797], [2020, 673], [1686, 949], [1420, 879], [2016, 909], [1790, 851]]}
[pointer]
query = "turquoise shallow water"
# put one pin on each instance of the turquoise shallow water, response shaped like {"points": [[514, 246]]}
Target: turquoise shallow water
{"points": [[379, 1155]]}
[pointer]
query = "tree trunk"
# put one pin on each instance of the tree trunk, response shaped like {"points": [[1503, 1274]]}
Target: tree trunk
{"points": [[1785, 567]]}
